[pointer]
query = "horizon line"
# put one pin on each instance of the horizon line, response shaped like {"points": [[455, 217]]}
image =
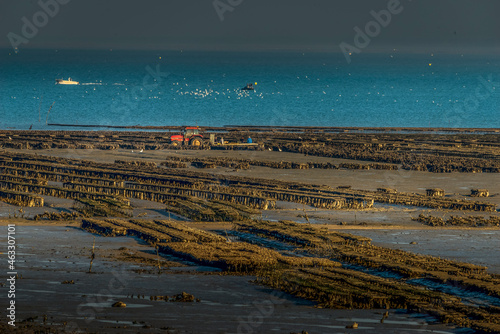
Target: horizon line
{"points": [[482, 51]]}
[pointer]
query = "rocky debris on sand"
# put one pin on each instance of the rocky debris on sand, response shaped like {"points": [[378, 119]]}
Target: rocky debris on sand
{"points": [[119, 304], [354, 325], [183, 297]]}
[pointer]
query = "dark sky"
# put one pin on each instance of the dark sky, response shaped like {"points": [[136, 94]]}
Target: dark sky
{"points": [[422, 25]]}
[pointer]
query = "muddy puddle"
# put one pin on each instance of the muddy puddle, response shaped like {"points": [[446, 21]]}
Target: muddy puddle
{"points": [[465, 245], [472, 298], [253, 239], [375, 272], [468, 297]]}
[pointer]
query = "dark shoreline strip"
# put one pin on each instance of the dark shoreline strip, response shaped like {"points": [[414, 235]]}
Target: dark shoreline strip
{"points": [[267, 128]]}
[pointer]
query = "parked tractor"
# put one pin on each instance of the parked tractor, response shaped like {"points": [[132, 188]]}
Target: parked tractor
{"points": [[190, 136]]}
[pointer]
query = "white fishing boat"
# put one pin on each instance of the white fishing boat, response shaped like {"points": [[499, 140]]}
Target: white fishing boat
{"points": [[66, 82]]}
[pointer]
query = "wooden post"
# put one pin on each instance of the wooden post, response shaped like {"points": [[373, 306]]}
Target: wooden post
{"points": [[39, 109], [92, 257], [305, 215], [158, 259], [47, 119]]}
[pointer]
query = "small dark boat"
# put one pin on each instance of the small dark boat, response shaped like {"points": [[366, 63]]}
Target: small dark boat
{"points": [[248, 87]]}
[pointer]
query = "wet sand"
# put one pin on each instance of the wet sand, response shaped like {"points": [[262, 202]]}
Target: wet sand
{"points": [[455, 184], [49, 254], [52, 252], [465, 245]]}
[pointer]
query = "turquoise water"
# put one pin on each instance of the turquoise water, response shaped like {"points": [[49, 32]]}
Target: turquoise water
{"points": [[195, 88]]}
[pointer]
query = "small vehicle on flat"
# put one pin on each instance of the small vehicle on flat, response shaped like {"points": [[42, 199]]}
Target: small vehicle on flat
{"points": [[189, 136]]}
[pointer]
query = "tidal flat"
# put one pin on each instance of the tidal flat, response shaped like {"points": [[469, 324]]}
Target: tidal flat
{"points": [[309, 231]]}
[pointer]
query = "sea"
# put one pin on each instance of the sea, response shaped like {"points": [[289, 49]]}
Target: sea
{"points": [[175, 88]]}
